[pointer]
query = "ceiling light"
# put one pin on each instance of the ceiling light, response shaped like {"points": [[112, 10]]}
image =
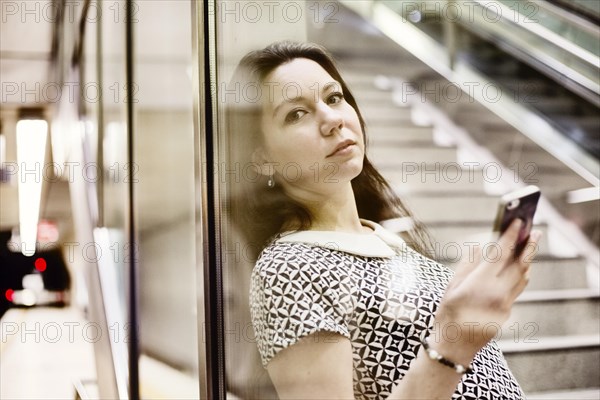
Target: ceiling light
{"points": [[31, 149]]}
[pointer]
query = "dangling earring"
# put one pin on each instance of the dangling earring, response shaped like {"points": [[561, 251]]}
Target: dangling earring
{"points": [[271, 182]]}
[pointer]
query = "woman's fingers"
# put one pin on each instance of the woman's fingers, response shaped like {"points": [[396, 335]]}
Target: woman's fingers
{"points": [[506, 246], [531, 249], [489, 260], [509, 239], [517, 273], [468, 263]]}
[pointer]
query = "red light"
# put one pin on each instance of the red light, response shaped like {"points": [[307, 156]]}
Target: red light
{"points": [[9, 294], [47, 231], [40, 264]]}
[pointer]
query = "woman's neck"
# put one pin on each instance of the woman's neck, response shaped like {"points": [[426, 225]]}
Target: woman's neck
{"points": [[334, 211]]}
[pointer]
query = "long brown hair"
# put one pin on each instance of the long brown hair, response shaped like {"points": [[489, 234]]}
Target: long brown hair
{"points": [[261, 212]]}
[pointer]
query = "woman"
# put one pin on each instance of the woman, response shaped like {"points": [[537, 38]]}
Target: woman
{"points": [[341, 307]]}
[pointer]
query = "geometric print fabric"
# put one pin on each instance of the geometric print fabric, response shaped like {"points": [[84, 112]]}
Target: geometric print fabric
{"points": [[385, 306]]}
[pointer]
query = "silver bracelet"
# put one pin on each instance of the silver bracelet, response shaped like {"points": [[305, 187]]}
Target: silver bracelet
{"points": [[434, 355]]}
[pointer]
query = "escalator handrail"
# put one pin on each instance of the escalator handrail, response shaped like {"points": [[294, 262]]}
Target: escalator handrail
{"points": [[543, 32], [577, 14], [584, 81], [586, 85]]}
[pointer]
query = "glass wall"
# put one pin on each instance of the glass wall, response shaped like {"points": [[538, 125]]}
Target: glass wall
{"points": [[105, 219], [242, 27], [164, 195], [140, 211]]}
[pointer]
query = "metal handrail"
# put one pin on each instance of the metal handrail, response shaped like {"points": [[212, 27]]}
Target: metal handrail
{"points": [[590, 84], [580, 66], [544, 32], [581, 23]]}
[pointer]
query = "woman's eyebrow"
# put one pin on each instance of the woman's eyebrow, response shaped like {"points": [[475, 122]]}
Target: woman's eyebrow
{"points": [[297, 99], [332, 84]]}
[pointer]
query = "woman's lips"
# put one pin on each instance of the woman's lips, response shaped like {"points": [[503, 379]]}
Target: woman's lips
{"points": [[343, 148]]}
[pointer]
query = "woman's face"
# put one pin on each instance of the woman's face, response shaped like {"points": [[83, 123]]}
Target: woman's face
{"points": [[312, 136]]}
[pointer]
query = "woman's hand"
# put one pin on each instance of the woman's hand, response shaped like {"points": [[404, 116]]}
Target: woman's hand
{"points": [[480, 297]]}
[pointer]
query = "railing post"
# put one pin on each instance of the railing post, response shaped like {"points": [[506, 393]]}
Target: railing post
{"points": [[450, 32]]}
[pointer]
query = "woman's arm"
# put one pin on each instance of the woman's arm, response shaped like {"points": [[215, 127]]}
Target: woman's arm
{"points": [[481, 293], [318, 366]]}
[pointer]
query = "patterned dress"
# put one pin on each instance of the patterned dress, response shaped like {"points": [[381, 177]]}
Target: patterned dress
{"points": [[374, 290]]}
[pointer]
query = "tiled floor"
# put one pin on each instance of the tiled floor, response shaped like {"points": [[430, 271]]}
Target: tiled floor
{"points": [[42, 351]]}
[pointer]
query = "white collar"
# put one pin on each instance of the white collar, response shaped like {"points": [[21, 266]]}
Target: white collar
{"points": [[380, 243]]}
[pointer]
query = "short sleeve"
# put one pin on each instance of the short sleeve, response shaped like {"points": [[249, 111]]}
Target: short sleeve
{"points": [[296, 290]]}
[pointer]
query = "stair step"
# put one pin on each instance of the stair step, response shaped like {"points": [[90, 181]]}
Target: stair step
{"points": [[554, 180], [528, 155], [456, 208], [417, 177], [385, 114], [372, 97], [589, 394], [551, 273], [495, 138], [359, 80], [558, 273], [448, 236], [359, 70], [404, 67], [552, 364], [447, 95], [398, 135], [396, 156], [547, 313], [551, 180]]}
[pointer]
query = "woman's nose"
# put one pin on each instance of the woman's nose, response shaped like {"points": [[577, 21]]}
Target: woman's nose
{"points": [[332, 119]]}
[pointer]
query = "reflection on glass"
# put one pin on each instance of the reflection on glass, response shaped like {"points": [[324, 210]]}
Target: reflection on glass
{"points": [[114, 146], [243, 27], [163, 177]]}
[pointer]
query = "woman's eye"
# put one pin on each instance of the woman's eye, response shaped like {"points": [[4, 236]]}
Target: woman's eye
{"points": [[294, 115], [335, 98]]}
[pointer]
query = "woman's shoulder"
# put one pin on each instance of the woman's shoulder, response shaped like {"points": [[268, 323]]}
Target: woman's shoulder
{"points": [[279, 252], [277, 248], [378, 243], [304, 260]]}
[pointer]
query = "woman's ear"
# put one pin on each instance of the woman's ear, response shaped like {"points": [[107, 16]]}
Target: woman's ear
{"points": [[262, 163]]}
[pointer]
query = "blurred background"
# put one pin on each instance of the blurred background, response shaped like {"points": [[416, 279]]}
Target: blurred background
{"points": [[120, 275]]}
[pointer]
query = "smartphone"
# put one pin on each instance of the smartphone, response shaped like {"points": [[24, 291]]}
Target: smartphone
{"points": [[521, 204]]}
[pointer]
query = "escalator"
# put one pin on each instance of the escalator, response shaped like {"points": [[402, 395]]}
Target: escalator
{"points": [[557, 80], [571, 107], [576, 118]]}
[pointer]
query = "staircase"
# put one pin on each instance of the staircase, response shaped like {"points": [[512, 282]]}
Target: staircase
{"points": [[427, 151], [552, 340]]}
